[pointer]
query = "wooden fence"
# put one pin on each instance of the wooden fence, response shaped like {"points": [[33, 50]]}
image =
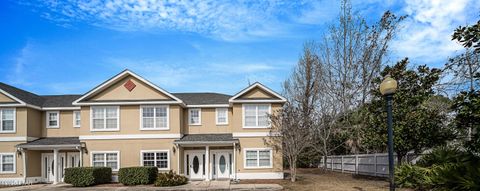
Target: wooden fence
{"points": [[364, 164]]}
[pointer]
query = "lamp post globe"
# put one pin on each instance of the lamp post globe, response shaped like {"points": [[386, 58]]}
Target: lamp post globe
{"points": [[387, 89]]}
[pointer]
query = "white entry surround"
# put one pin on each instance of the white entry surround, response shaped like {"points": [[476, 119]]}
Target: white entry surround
{"points": [[209, 164]]}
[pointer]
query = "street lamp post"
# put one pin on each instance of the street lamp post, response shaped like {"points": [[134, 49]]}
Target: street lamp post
{"points": [[388, 88]]}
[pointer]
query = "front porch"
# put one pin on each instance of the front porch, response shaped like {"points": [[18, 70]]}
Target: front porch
{"points": [[208, 156], [55, 154]]}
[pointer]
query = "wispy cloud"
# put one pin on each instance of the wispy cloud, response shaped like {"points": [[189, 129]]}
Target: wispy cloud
{"points": [[426, 34]]}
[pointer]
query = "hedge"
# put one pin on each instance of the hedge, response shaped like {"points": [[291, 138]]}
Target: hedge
{"points": [[87, 176], [137, 175], [170, 179]]}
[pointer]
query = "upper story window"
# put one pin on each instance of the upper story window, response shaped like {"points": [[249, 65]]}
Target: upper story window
{"points": [[154, 117], [7, 119], [53, 119], [76, 118], [105, 118], [256, 115], [221, 116], [195, 116]]}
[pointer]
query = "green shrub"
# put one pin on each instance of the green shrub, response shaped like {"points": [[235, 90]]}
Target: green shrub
{"points": [[457, 176], [170, 179], [87, 176], [137, 175], [411, 176], [441, 155]]}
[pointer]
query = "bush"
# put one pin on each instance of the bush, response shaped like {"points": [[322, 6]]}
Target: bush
{"points": [[411, 176], [441, 155], [170, 179], [87, 176], [458, 176], [137, 175]]}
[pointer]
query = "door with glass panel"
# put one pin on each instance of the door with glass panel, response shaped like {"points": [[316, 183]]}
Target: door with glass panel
{"points": [[222, 164], [195, 165]]}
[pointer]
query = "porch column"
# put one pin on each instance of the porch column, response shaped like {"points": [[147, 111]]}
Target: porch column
{"points": [[234, 161], [55, 166], [207, 162], [24, 163], [81, 156]]}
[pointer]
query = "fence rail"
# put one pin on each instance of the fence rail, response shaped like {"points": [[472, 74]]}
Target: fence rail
{"points": [[364, 164]]}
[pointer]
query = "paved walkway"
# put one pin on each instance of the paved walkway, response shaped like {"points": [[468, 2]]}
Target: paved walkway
{"points": [[194, 185]]}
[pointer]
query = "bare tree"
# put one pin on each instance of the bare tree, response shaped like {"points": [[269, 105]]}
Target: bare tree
{"points": [[351, 55], [294, 122]]}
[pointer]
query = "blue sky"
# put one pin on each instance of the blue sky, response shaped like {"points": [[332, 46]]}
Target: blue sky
{"points": [[68, 47]]}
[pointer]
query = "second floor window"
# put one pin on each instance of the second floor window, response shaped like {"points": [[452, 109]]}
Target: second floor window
{"points": [[76, 118], [53, 119], [105, 118], [194, 117], [154, 117], [7, 119], [256, 116], [222, 116]]}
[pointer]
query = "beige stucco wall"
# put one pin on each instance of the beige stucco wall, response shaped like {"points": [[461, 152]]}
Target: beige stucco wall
{"points": [[20, 123], [130, 121], [208, 123], [65, 129], [34, 163], [141, 91], [4, 98], [9, 147], [256, 93], [34, 122], [130, 150], [245, 143]]}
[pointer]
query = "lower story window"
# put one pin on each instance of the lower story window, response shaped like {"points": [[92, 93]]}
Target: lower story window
{"points": [[7, 163], [156, 158], [106, 159], [258, 158]]}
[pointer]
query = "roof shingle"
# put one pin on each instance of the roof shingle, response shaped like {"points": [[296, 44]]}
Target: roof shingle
{"points": [[203, 98]]}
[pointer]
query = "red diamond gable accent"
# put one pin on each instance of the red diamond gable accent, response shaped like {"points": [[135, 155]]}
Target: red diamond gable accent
{"points": [[129, 85]]}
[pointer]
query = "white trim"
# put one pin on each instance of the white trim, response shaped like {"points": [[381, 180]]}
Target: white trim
{"points": [[209, 105], [119, 76], [14, 163], [47, 120], [18, 138], [167, 107], [255, 134], [105, 118], [74, 119], [259, 85], [130, 136], [258, 158], [256, 115], [14, 121], [226, 116], [128, 103], [59, 108], [155, 151], [258, 101], [260, 175], [20, 181], [13, 97], [105, 154], [199, 116]]}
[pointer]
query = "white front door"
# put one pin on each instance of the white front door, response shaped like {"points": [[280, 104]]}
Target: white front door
{"points": [[48, 171], [222, 164], [195, 165]]}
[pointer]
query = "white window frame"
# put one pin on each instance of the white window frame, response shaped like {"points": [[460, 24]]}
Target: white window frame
{"points": [[105, 118], [75, 119], [156, 151], [199, 116], [258, 158], [167, 107], [105, 156], [48, 120], [14, 164], [14, 121], [256, 114], [226, 115]]}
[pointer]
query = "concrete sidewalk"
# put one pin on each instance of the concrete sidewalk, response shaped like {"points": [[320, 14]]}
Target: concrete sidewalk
{"points": [[194, 185]]}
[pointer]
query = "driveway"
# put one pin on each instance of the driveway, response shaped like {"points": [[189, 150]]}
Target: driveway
{"points": [[195, 185]]}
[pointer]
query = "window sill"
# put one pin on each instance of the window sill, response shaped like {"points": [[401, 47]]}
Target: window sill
{"points": [[266, 167], [195, 124], [7, 132], [103, 130], [256, 127], [222, 124], [53, 127], [9, 172], [154, 129]]}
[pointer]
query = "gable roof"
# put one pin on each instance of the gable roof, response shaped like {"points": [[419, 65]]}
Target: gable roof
{"points": [[278, 97], [21, 96], [120, 76], [203, 98], [59, 100]]}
